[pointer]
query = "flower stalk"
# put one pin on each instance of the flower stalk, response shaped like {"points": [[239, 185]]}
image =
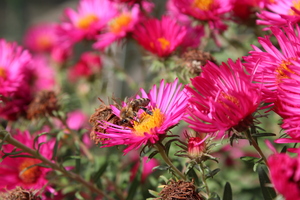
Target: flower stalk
{"points": [[164, 155], [5, 135]]}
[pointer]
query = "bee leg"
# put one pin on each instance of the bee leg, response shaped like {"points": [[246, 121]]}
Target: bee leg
{"points": [[146, 110]]}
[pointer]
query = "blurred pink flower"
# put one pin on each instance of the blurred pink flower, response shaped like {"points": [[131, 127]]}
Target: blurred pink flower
{"points": [[223, 98], [77, 120], [282, 12], [87, 22], [244, 10], [118, 27], [89, 64], [211, 11], [15, 172], [41, 37], [285, 175], [39, 74], [167, 105], [14, 90], [161, 37]]}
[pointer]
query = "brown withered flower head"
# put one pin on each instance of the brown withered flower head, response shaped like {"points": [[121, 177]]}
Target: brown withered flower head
{"points": [[43, 104], [102, 113], [194, 59], [20, 194], [177, 190]]}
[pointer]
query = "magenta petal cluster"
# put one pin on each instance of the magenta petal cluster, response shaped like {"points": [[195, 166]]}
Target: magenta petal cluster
{"points": [[282, 12], [160, 37], [168, 104], [285, 176], [223, 97], [87, 22], [119, 27], [16, 172]]}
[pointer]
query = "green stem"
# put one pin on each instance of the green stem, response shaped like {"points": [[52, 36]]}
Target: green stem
{"points": [[9, 139], [203, 178], [255, 145], [163, 154]]}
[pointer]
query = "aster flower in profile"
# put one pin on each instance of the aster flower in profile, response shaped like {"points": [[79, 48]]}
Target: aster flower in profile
{"points": [[17, 171], [88, 21], [166, 107], [223, 99], [160, 37], [284, 172], [119, 27], [211, 11], [280, 13]]}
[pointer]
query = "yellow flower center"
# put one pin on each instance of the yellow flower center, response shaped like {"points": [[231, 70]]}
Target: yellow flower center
{"points": [[204, 5], [3, 73], [29, 174], [119, 23], [230, 98], [44, 42], [148, 122], [281, 70], [164, 43], [86, 21], [296, 5]]}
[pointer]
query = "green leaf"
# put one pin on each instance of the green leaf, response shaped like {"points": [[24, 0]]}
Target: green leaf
{"points": [[152, 154], [78, 196], [164, 179], [37, 137], [263, 135], [227, 195], [161, 167], [283, 150], [133, 188], [4, 138], [250, 159], [154, 193], [24, 156], [212, 173], [55, 149], [99, 173], [268, 192], [194, 176]]}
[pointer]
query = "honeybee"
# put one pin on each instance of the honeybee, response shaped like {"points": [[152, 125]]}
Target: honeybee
{"points": [[130, 110]]}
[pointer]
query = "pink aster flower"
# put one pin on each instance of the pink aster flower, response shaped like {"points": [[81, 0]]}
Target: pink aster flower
{"points": [[285, 175], [167, 105], [88, 65], [160, 37], [16, 172], [211, 11], [245, 10], [15, 93], [39, 74], [118, 27], [282, 12], [223, 98], [273, 65], [13, 62], [41, 37], [87, 22]]}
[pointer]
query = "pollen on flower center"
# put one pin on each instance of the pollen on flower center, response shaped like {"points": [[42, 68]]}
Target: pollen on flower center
{"points": [[281, 70], [164, 43], [148, 122], [230, 98], [44, 42], [203, 4], [26, 174], [296, 5], [119, 23], [2, 73], [86, 21]]}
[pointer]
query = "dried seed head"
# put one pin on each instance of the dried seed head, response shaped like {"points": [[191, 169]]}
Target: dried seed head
{"points": [[194, 59], [20, 194], [43, 104], [102, 113], [180, 190]]}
